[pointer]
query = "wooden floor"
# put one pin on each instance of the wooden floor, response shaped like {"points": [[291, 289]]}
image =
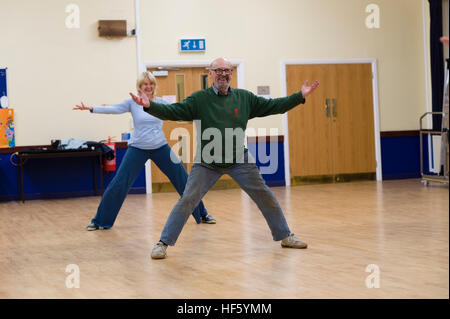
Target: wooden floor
{"points": [[400, 226]]}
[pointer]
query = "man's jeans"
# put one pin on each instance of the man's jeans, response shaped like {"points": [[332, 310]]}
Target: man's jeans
{"points": [[203, 176]]}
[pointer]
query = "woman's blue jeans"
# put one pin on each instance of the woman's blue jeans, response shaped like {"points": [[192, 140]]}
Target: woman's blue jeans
{"points": [[132, 164]]}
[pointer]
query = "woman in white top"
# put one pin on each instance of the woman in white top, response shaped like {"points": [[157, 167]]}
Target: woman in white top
{"points": [[147, 142]]}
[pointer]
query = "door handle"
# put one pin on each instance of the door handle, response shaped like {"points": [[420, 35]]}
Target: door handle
{"points": [[334, 107], [327, 107]]}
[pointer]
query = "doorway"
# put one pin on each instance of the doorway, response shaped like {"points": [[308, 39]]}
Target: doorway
{"points": [[335, 135]]}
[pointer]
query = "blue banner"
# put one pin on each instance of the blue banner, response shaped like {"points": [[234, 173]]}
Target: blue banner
{"points": [[3, 92]]}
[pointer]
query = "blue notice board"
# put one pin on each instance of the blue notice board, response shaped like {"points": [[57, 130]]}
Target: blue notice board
{"points": [[192, 45]]}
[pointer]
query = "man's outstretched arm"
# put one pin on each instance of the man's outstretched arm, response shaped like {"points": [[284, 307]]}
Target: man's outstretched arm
{"points": [[263, 107]]}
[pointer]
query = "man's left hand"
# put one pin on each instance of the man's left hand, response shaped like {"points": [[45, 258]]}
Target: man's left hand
{"points": [[307, 90]]}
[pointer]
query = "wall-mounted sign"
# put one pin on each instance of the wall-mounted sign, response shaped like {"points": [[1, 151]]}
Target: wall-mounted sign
{"points": [[192, 45], [263, 89], [160, 73], [170, 98]]}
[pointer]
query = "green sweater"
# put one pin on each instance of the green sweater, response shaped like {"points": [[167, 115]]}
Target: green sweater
{"points": [[222, 120]]}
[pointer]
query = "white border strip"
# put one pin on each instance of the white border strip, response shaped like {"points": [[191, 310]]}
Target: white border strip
{"points": [[287, 166], [141, 68], [376, 119], [376, 108], [427, 85]]}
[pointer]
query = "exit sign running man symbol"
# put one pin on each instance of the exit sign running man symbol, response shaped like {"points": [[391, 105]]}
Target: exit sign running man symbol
{"points": [[192, 45]]}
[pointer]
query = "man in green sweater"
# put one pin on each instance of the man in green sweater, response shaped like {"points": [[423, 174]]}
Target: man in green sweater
{"points": [[221, 114]]}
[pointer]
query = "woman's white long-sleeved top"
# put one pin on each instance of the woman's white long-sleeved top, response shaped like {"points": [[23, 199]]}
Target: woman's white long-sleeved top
{"points": [[147, 133]]}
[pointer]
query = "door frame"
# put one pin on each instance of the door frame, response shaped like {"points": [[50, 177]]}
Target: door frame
{"points": [[239, 64], [376, 112]]}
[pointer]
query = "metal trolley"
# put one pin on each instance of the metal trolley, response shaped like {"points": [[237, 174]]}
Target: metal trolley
{"points": [[443, 175]]}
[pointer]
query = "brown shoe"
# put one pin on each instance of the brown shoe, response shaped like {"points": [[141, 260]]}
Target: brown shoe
{"points": [[293, 242]]}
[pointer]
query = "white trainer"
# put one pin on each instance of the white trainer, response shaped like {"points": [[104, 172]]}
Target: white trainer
{"points": [[92, 226], [159, 251]]}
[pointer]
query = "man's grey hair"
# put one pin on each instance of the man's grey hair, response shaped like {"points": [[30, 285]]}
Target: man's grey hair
{"points": [[210, 67]]}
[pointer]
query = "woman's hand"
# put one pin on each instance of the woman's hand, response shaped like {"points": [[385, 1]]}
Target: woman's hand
{"points": [[82, 107]]}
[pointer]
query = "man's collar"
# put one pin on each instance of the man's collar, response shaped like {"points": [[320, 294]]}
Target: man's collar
{"points": [[217, 91]]}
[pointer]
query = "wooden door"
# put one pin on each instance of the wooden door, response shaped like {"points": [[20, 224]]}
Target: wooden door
{"points": [[180, 83], [352, 120], [309, 128], [332, 135]]}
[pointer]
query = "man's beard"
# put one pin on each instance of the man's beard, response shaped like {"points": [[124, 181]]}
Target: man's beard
{"points": [[223, 85]]}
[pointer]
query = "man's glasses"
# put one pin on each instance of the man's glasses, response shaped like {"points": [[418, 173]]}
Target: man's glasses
{"points": [[220, 71]]}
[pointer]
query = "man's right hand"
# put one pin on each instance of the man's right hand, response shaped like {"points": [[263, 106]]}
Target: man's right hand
{"points": [[142, 99]]}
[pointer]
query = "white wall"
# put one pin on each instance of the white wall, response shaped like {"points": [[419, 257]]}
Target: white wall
{"points": [[50, 67], [265, 32]]}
